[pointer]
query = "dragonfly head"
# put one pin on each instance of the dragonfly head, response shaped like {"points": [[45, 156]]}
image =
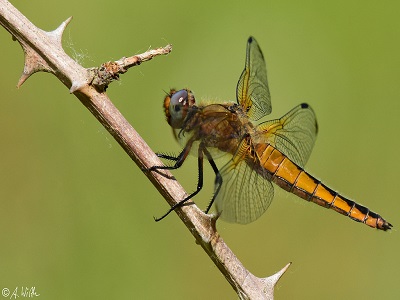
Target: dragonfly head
{"points": [[176, 106]]}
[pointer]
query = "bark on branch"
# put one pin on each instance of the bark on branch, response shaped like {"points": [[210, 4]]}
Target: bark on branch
{"points": [[44, 52]]}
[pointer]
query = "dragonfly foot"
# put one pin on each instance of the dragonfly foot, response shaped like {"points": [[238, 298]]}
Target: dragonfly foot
{"points": [[173, 207]]}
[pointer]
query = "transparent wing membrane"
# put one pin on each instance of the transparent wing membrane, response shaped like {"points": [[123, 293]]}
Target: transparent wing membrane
{"points": [[245, 194], [294, 134], [246, 191], [252, 91]]}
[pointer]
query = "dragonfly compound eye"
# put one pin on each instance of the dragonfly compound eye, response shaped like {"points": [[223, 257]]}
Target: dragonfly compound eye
{"points": [[176, 106]]}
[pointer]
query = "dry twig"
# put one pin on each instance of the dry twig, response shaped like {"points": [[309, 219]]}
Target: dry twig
{"points": [[109, 71]]}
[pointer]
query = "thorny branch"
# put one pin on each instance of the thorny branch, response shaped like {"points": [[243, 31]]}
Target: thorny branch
{"points": [[43, 52]]}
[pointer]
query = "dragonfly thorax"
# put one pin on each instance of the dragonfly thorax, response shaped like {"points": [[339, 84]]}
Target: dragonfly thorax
{"points": [[220, 126]]}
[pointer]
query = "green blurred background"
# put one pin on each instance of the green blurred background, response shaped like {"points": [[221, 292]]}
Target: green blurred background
{"points": [[76, 215]]}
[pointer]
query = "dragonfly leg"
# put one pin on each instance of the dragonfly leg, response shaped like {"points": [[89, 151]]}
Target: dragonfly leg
{"points": [[168, 157], [179, 160], [199, 182], [218, 179]]}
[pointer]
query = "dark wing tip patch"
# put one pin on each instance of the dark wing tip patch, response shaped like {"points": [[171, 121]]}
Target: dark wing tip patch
{"points": [[304, 105]]}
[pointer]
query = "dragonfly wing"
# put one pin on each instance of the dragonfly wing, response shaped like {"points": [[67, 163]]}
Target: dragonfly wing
{"points": [[245, 192], [252, 91], [294, 134]]}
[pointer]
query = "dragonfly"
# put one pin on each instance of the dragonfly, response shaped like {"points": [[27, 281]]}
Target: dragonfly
{"points": [[260, 154]]}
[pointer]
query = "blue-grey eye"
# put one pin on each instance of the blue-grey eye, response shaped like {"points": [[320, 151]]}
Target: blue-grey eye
{"points": [[176, 106], [178, 99]]}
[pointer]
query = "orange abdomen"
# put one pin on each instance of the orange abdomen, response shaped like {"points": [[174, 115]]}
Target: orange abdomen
{"points": [[294, 179]]}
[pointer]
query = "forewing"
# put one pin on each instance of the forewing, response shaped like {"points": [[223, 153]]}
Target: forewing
{"points": [[245, 192], [294, 134], [252, 91]]}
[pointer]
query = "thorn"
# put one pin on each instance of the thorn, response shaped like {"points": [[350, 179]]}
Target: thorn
{"points": [[22, 79], [273, 279], [33, 63], [214, 218], [76, 86], [57, 33]]}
